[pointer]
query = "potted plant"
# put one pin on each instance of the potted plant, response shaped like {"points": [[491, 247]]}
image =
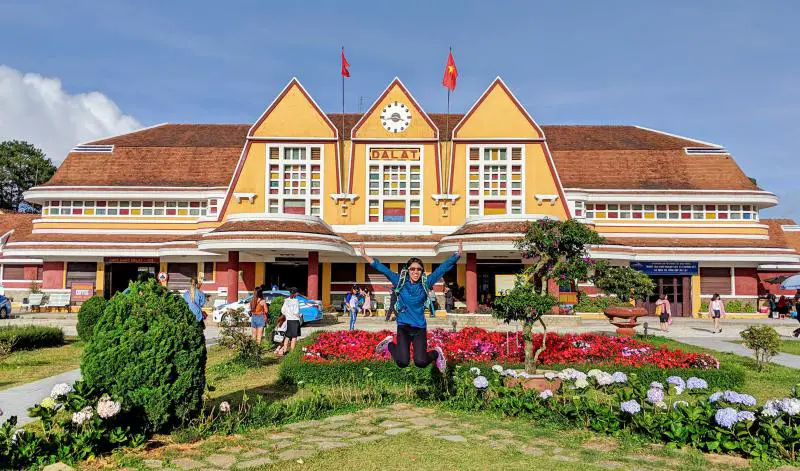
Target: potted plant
{"points": [[628, 285], [556, 250]]}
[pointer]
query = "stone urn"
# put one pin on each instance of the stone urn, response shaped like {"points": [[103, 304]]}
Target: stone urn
{"points": [[535, 381], [625, 319]]}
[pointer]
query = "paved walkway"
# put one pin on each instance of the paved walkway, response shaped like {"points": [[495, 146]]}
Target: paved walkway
{"points": [[721, 345], [16, 401]]}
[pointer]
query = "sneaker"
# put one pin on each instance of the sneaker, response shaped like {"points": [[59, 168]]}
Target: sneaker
{"points": [[383, 345], [441, 360]]}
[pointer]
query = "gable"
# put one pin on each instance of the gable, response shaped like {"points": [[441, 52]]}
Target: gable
{"points": [[482, 119], [370, 126], [293, 114]]}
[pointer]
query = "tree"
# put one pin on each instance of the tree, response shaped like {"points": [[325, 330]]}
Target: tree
{"points": [[558, 251], [624, 282], [22, 166]]}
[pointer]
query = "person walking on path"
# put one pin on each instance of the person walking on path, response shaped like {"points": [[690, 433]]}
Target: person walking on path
{"points": [[351, 302], [664, 312], [196, 299], [716, 309], [258, 314], [291, 311], [412, 288]]}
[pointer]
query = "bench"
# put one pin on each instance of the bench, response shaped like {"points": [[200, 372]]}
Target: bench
{"points": [[34, 301], [58, 301]]}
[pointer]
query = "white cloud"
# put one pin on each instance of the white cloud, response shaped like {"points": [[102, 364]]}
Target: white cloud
{"points": [[38, 110]]}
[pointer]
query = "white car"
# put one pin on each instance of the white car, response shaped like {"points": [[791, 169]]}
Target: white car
{"points": [[310, 310]]}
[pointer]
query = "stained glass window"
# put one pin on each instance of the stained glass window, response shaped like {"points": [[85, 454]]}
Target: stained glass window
{"points": [[495, 181], [294, 180]]}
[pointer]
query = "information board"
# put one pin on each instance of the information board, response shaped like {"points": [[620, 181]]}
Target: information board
{"points": [[666, 268]]}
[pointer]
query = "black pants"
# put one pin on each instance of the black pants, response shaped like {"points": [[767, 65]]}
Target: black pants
{"points": [[401, 351], [392, 303]]}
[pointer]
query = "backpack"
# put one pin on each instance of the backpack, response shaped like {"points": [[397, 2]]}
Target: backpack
{"points": [[430, 296]]}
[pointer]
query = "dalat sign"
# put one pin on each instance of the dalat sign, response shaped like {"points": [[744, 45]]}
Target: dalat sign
{"points": [[394, 154]]}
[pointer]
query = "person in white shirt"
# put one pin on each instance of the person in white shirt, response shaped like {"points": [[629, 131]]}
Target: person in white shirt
{"points": [[716, 309], [291, 311]]}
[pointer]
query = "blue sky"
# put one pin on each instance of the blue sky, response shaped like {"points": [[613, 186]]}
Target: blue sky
{"points": [[721, 71]]}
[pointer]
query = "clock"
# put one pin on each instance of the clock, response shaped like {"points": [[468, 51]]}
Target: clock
{"points": [[396, 117]]}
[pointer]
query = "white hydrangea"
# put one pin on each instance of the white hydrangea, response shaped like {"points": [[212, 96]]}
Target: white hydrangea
{"points": [[475, 371], [511, 373], [17, 433], [550, 376], [604, 379], [107, 408], [497, 369], [225, 407], [60, 389], [657, 385], [546, 394], [82, 416], [661, 405], [581, 383], [593, 373], [791, 406]]}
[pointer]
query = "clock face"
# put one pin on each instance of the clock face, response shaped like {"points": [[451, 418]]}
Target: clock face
{"points": [[396, 117]]}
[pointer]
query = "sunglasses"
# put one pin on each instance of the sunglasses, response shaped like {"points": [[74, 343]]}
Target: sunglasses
{"points": [[414, 269]]}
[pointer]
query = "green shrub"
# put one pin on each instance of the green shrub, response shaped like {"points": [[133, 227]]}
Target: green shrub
{"points": [[733, 306], [90, 312], [31, 337], [149, 350], [597, 303], [236, 334], [274, 313], [764, 341]]}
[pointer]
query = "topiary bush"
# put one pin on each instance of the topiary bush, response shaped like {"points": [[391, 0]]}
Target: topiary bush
{"points": [[764, 341], [148, 349], [31, 337], [90, 312]]}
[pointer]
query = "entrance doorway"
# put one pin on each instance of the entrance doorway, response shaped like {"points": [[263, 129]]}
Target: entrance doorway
{"points": [[676, 288], [486, 277], [119, 275], [285, 274]]}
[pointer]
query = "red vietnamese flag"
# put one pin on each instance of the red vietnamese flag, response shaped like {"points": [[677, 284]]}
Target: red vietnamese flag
{"points": [[345, 65], [450, 73]]}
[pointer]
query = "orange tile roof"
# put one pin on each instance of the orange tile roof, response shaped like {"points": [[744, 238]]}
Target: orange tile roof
{"points": [[193, 155], [273, 226]]}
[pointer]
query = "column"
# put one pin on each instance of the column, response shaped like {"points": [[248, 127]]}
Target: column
{"points": [[696, 301], [361, 275], [326, 284], [100, 279], [472, 282], [232, 281], [313, 275], [260, 274]]}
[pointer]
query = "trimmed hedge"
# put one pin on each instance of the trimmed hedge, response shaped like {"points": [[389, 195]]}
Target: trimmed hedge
{"points": [[88, 315], [294, 370], [149, 350], [31, 337]]}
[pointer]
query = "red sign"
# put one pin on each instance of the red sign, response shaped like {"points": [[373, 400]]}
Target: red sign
{"points": [[81, 292]]}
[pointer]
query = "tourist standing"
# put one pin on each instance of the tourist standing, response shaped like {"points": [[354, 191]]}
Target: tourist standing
{"points": [[367, 307], [716, 309], [196, 299], [449, 300], [258, 314], [413, 288], [773, 305], [664, 311], [352, 305], [291, 311], [390, 309]]}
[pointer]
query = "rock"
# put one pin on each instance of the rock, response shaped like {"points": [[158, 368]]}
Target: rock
{"points": [[428, 421], [153, 464], [396, 431], [391, 423], [340, 418], [452, 438], [187, 463], [223, 461], [281, 436], [254, 463], [330, 445], [367, 439], [232, 449], [294, 454], [302, 425], [340, 434], [253, 453], [58, 467]]}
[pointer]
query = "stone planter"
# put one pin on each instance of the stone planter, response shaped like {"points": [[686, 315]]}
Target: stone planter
{"points": [[536, 382], [625, 319]]}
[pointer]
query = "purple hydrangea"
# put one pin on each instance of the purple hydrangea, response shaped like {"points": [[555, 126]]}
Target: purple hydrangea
{"points": [[747, 400], [745, 416], [480, 382], [726, 417], [676, 381], [657, 385], [771, 409], [545, 394], [696, 383], [655, 395], [715, 397], [631, 407], [732, 396], [620, 377], [791, 406]]}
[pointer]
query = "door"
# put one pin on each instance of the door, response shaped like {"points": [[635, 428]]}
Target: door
{"points": [[675, 288]]}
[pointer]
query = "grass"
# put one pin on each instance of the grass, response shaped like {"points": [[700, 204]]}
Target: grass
{"points": [[790, 346], [25, 366], [774, 382]]}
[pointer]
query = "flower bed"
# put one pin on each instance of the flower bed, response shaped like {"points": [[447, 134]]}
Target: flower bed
{"points": [[473, 344]]}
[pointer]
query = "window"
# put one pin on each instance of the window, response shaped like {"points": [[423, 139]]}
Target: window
{"points": [[715, 280], [668, 212], [294, 180], [208, 272], [130, 208], [13, 272], [394, 191], [494, 180], [578, 211], [180, 274], [81, 272]]}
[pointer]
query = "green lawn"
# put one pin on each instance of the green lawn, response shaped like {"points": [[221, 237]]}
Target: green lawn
{"points": [[790, 346], [25, 366], [774, 382]]}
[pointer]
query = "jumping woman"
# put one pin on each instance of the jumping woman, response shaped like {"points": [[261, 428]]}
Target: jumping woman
{"points": [[413, 290]]}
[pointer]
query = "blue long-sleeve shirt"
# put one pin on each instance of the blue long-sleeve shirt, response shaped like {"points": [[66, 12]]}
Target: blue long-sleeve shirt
{"points": [[411, 299], [197, 306]]}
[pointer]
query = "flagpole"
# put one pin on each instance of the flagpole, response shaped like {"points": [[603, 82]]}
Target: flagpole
{"points": [[447, 137], [341, 153]]}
